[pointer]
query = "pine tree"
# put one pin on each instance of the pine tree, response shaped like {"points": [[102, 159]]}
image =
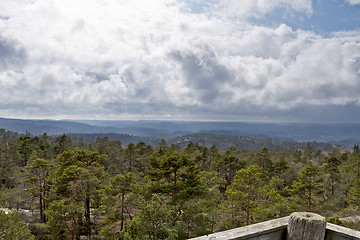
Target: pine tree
{"points": [[118, 197], [175, 177], [305, 191], [245, 194], [332, 169], [37, 171], [353, 197], [78, 177], [13, 227]]}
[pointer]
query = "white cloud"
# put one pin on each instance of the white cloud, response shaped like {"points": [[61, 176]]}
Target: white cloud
{"points": [[353, 2], [257, 8], [140, 58]]}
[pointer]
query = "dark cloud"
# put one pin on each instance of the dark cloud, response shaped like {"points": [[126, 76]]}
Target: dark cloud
{"points": [[99, 76], [327, 113], [203, 72], [349, 113], [11, 55]]}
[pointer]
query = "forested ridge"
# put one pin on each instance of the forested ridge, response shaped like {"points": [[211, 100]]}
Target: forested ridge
{"points": [[67, 188], [255, 143]]}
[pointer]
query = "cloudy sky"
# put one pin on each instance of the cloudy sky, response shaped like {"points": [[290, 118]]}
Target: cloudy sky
{"points": [[228, 60]]}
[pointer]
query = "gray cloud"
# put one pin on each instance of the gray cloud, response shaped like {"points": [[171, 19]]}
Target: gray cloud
{"points": [[11, 54], [203, 74]]}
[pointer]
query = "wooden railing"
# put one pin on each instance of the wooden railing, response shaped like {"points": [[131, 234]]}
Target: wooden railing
{"points": [[277, 229]]}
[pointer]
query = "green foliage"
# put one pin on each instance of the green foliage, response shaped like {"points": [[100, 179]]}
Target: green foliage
{"points": [[114, 162], [332, 169], [176, 179], [37, 172], [25, 148], [280, 167], [227, 167], [62, 143], [77, 182], [353, 197], [246, 194], [175, 175], [12, 227], [350, 169], [305, 191], [262, 158], [353, 224], [65, 218], [334, 220], [154, 220], [110, 191], [118, 198], [41, 231], [308, 153]]}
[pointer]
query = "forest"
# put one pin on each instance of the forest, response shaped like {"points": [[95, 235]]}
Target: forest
{"points": [[65, 188]]}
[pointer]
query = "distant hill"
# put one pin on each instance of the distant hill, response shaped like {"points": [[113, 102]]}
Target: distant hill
{"points": [[125, 139], [348, 134], [206, 139], [243, 142], [281, 131], [51, 127]]}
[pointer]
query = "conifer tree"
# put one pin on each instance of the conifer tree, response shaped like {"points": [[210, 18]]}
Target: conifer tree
{"points": [[305, 191], [13, 227], [78, 177], [245, 194], [332, 169], [118, 198], [175, 177], [37, 171]]}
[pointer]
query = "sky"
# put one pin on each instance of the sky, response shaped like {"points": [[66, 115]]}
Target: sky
{"points": [[214, 60]]}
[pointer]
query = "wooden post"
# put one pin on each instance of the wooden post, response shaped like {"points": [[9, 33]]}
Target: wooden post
{"points": [[306, 226]]}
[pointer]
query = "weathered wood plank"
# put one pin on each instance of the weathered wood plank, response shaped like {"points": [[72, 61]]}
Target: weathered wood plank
{"points": [[306, 226], [277, 230], [336, 232], [269, 230]]}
